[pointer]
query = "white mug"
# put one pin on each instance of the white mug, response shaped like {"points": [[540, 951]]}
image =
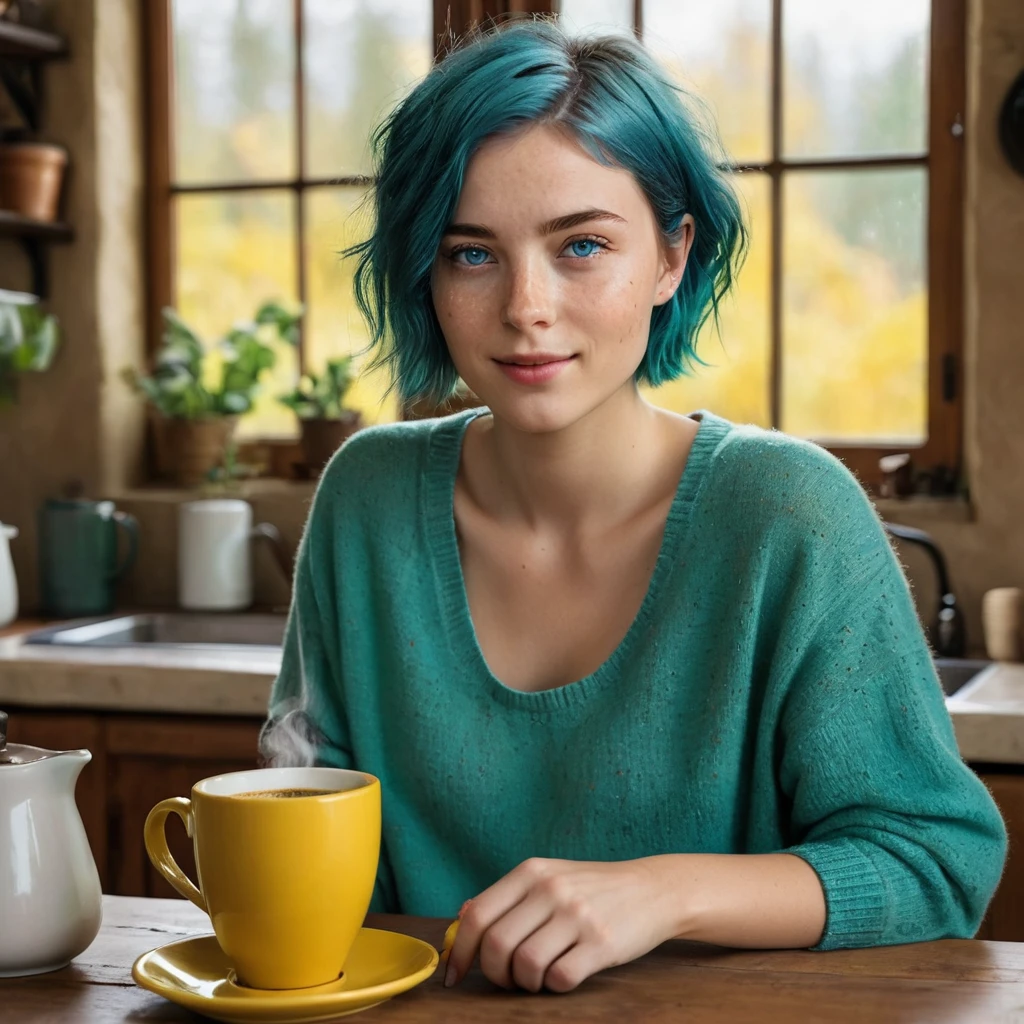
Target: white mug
{"points": [[1001, 621], [214, 560], [8, 581]]}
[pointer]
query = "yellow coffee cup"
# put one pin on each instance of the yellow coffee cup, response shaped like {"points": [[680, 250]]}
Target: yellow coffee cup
{"points": [[286, 859]]}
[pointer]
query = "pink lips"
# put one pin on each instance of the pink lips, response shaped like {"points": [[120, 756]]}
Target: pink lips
{"points": [[534, 372]]}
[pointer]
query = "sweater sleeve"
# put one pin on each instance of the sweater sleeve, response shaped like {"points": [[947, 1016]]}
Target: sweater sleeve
{"points": [[307, 723], [906, 840]]}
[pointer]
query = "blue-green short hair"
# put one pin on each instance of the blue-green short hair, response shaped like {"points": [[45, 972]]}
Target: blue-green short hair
{"points": [[609, 94]]}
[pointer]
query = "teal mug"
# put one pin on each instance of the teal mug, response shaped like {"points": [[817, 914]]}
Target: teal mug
{"points": [[78, 556]]}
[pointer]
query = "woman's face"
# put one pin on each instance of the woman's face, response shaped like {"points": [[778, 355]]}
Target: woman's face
{"points": [[546, 278]]}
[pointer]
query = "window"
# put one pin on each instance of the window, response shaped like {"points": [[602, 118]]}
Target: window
{"points": [[846, 323], [260, 114]]}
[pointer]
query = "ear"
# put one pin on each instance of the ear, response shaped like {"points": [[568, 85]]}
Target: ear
{"points": [[673, 261]]}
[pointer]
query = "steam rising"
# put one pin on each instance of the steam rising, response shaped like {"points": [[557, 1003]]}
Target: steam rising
{"points": [[289, 738]]}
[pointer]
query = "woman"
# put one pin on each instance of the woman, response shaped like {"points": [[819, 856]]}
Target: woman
{"points": [[624, 675]]}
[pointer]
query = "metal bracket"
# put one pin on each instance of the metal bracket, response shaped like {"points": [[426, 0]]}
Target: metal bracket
{"points": [[36, 251]]}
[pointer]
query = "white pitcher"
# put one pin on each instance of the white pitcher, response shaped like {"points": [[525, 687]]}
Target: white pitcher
{"points": [[50, 901], [8, 582]]}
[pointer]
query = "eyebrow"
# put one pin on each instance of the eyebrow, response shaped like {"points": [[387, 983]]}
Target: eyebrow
{"points": [[570, 220]]}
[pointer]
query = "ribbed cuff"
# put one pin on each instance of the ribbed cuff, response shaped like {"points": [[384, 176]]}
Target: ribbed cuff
{"points": [[854, 893]]}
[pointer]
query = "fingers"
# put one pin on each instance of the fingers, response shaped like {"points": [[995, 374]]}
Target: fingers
{"points": [[534, 928], [482, 912], [534, 957], [503, 939], [573, 968]]}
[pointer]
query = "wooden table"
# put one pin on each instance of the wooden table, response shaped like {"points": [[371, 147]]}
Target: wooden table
{"points": [[934, 982]]}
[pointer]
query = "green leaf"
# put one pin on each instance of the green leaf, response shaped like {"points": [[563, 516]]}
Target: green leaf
{"points": [[235, 402], [286, 321]]}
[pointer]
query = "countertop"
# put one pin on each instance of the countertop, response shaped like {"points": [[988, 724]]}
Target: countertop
{"points": [[123, 679], [988, 713], [951, 980], [988, 716]]}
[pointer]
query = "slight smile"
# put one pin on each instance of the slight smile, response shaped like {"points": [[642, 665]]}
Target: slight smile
{"points": [[534, 369]]}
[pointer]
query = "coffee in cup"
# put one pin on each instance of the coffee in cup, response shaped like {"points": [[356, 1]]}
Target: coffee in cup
{"points": [[287, 859], [277, 793]]}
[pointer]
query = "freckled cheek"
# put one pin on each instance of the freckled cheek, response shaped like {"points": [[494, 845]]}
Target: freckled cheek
{"points": [[453, 305], [463, 317], [616, 308]]}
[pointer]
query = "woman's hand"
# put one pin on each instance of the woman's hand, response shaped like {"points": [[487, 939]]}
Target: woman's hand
{"points": [[553, 923]]}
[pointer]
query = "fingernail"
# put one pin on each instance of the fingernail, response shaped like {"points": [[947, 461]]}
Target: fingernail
{"points": [[449, 976], [462, 909]]}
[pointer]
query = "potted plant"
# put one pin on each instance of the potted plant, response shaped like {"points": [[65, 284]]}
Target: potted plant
{"points": [[318, 400], [197, 406], [28, 340]]}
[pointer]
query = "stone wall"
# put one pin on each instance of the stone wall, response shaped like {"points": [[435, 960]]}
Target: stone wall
{"points": [[74, 423]]}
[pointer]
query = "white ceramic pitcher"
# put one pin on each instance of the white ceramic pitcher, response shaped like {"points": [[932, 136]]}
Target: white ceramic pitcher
{"points": [[50, 899], [8, 581]]}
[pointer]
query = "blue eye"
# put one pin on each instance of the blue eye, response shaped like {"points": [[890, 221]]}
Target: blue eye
{"points": [[473, 257], [584, 247]]}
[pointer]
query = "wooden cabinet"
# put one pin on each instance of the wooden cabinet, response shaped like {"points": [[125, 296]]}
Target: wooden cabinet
{"points": [[138, 760], [1005, 917]]}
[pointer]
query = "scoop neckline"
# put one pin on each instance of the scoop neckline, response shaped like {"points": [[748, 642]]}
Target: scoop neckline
{"points": [[443, 459]]}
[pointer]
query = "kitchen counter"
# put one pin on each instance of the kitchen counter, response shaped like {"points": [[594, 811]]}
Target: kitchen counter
{"points": [[988, 713], [988, 716], [139, 680]]}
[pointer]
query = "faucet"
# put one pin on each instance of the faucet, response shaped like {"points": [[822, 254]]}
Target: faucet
{"points": [[948, 635]]}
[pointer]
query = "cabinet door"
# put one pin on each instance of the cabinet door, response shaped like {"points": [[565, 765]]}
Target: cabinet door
{"points": [[154, 758], [1005, 918], [63, 730]]}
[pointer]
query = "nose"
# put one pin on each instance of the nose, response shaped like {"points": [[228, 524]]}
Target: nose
{"points": [[531, 298]]}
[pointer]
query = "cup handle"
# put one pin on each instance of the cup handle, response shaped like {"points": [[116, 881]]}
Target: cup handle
{"points": [[160, 855], [130, 526], [270, 533]]}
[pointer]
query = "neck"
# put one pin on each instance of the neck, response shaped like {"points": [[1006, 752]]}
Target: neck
{"points": [[597, 472]]}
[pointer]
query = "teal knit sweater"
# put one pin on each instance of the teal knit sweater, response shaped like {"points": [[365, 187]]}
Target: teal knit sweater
{"points": [[774, 693]]}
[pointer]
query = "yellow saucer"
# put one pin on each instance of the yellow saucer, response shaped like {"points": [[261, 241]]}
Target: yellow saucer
{"points": [[194, 973]]}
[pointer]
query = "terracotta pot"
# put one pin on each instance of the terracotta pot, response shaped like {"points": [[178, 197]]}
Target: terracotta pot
{"points": [[322, 438], [31, 174], [191, 448]]}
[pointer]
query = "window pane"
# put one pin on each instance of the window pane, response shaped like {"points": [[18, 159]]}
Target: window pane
{"points": [[334, 327], [234, 74], [597, 15], [720, 51], [235, 251], [855, 316], [856, 77], [735, 383], [361, 58]]}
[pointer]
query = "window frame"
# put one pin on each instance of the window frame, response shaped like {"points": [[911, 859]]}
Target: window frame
{"points": [[940, 455]]}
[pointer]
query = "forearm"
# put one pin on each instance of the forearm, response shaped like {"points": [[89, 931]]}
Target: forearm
{"points": [[756, 901]]}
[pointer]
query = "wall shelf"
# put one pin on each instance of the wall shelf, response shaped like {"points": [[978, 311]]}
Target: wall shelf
{"points": [[16, 226], [35, 236], [30, 43], [22, 51]]}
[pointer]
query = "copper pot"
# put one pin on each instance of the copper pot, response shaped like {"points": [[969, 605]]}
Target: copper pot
{"points": [[31, 175]]}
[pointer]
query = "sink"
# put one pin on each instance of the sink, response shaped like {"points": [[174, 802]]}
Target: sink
{"points": [[955, 673], [1002, 687], [265, 631], [173, 630]]}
